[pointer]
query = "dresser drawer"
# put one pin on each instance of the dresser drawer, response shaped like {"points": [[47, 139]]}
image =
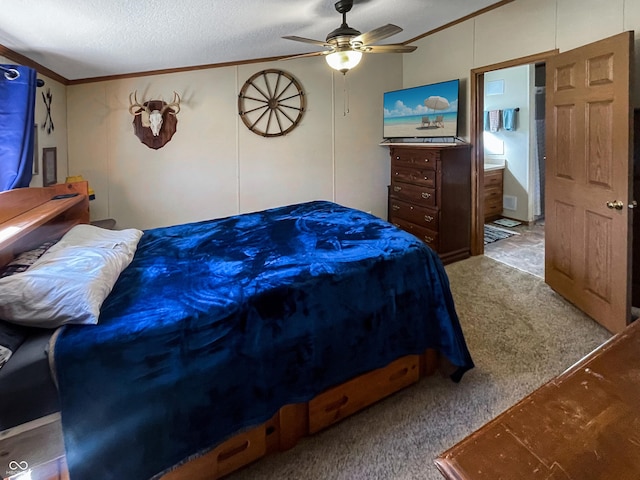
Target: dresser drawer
{"points": [[420, 195], [492, 210], [415, 175], [416, 157], [493, 195], [423, 216], [493, 178], [429, 237]]}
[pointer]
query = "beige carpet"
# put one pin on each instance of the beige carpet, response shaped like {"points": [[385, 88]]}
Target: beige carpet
{"points": [[520, 334]]}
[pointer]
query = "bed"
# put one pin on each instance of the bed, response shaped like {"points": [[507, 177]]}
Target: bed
{"points": [[226, 339]]}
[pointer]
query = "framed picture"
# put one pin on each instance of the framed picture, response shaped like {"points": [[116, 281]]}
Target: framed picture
{"points": [[49, 166], [35, 169]]}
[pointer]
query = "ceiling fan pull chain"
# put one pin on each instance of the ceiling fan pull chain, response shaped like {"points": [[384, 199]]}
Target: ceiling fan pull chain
{"points": [[346, 97]]}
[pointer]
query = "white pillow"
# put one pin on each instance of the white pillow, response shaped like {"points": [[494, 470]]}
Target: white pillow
{"points": [[85, 235], [66, 285]]}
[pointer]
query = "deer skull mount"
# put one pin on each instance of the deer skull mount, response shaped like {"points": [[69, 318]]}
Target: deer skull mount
{"points": [[154, 121]]}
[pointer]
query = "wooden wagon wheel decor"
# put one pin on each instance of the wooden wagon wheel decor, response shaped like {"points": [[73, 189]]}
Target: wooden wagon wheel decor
{"points": [[271, 103]]}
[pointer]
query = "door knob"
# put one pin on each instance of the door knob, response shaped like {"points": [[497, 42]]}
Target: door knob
{"points": [[617, 204]]}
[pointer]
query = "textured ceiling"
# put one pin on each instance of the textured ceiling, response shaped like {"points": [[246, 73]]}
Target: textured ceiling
{"points": [[80, 39]]}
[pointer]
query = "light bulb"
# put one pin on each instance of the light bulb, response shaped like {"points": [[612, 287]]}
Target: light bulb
{"points": [[344, 60]]}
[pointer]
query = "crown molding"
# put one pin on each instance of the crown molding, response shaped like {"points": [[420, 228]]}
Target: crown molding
{"points": [[27, 62]]}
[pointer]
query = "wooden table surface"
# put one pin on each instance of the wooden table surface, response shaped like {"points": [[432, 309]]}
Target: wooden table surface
{"points": [[582, 425]]}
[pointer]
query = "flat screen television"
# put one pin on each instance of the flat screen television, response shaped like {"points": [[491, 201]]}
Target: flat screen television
{"points": [[424, 112]]}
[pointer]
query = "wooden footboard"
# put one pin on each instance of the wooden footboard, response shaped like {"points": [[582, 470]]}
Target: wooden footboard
{"points": [[293, 422]]}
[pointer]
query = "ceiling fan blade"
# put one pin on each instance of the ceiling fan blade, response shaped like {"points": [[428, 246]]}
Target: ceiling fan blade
{"points": [[388, 48], [376, 34], [307, 40], [303, 55]]}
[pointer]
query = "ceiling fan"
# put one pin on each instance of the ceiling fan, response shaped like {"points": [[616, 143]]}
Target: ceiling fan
{"points": [[346, 45]]}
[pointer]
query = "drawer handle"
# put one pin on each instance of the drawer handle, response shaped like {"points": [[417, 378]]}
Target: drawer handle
{"points": [[426, 195], [428, 239], [341, 402], [397, 173], [426, 160], [398, 157], [233, 451], [397, 189], [428, 218], [426, 178], [395, 207], [397, 225]]}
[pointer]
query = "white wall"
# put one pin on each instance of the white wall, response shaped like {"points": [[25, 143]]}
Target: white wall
{"points": [[513, 146], [445, 55], [58, 136], [214, 166], [518, 29]]}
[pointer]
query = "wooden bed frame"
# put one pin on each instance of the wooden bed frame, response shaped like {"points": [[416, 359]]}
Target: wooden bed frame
{"points": [[29, 216]]}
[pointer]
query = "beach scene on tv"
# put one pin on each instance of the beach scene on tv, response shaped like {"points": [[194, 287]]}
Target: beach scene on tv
{"points": [[425, 111]]}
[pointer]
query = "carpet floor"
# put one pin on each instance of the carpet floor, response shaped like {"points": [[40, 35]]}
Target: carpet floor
{"points": [[520, 334]]}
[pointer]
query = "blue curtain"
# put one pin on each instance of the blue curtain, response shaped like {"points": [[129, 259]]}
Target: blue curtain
{"points": [[17, 111]]}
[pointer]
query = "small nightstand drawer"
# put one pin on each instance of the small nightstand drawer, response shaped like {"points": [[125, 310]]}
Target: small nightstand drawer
{"points": [[414, 175], [423, 216], [423, 196]]}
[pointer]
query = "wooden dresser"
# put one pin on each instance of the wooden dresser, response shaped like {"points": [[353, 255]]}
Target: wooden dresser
{"points": [[493, 191], [430, 196]]}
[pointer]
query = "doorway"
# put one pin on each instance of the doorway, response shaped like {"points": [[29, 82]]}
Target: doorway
{"points": [[588, 234], [477, 139], [514, 166]]}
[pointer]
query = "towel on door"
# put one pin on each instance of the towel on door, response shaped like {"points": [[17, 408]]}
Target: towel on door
{"points": [[494, 120], [509, 119]]}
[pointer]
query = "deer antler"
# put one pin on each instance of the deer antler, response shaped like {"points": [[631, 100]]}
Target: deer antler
{"points": [[175, 105], [137, 104]]}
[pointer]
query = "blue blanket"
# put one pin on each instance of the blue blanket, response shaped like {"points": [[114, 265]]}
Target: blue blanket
{"points": [[216, 325]]}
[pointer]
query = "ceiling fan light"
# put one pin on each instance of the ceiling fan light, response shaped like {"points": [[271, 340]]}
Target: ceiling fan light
{"points": [[344, 60]]}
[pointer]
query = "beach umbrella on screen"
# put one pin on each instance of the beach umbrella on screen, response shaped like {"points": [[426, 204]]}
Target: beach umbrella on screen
{"points": [[436, 103]]}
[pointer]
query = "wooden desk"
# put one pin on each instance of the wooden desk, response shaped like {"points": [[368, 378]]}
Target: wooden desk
{"points": [[582, 425]]}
